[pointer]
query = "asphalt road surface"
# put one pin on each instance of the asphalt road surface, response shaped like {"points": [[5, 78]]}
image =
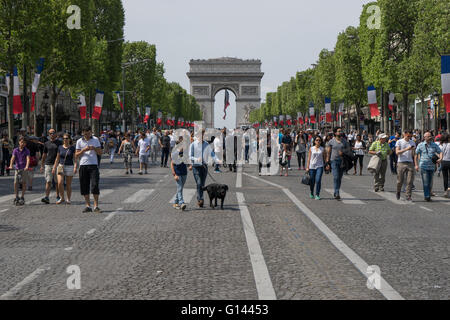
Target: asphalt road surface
{"points": [[270, 242]]}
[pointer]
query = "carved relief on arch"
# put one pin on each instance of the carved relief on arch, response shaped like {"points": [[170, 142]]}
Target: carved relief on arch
{"points": [[216, 87]]}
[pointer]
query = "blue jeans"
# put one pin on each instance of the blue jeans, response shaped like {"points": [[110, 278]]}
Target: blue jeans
{"points": [[338, 172], [247, 148], [427, 180], [316, 179], [180, 185], [200, 174]]}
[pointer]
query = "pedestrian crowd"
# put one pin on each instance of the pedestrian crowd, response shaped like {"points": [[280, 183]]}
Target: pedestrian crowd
{"points": [[62, 156]]}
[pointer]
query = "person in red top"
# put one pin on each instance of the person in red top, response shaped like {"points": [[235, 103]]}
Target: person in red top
{"points": [[21, 159]]}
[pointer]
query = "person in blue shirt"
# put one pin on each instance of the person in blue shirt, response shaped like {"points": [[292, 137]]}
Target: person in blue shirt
{"points": [[199, 154], [393, 158], [424, 160]]}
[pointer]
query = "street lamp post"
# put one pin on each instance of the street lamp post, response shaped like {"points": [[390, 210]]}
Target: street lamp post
{"points": [[45, 108]]}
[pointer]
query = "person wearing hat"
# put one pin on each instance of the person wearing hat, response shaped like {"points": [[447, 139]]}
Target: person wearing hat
{"points": [[381, 149]]}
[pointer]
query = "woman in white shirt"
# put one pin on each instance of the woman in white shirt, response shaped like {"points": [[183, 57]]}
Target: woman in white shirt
{"points": [[359, 148], [316, 162], [445, 162]]}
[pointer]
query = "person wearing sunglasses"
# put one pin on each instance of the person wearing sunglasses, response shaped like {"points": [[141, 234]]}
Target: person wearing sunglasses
{"points": [[48, 161], [65, 167]]}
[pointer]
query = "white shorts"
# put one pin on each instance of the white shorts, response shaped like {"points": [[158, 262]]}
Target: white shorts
{"points": [[68, 171]]}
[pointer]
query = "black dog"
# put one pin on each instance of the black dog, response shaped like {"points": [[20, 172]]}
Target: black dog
{"points": [[216, 191]]}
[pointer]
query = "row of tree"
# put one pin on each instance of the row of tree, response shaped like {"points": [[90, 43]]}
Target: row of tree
{"points": [[84, 58], [402, 55]]}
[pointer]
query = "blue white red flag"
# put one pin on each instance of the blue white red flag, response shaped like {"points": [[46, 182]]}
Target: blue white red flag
{"points": [[445, 79]]}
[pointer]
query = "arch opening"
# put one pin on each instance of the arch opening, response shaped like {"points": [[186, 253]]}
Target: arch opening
{"points": [[231, 111]]}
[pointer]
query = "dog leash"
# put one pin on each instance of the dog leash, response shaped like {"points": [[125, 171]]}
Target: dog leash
{"points": [[209, 174]]}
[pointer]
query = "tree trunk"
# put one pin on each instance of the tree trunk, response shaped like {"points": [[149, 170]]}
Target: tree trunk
{"points": [[405, 111], [54, 97], [358, 118], [10, 106], [424, 112], [25, 113], [386, 113]]}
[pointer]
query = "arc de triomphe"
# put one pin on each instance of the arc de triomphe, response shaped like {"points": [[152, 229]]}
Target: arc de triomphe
{"points": [[242, 77]]}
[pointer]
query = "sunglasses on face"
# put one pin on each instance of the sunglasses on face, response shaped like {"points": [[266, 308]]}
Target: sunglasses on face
{"points": [[65, 138]]}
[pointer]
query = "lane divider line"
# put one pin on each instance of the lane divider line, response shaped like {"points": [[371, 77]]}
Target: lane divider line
{"points": [[30, 278], [385, 289], [263, 282], [140, 196], [346, 197], [239, 178], [112, 214]]}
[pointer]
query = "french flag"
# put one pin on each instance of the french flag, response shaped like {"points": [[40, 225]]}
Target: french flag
{"points": [[35, 85], [445, 78], [289, 120], [275, 123], [281, 120], [98, 105], [118, 99], [17, 102], [391, 101], [169, 119], [82, 107], [312, 113], [147, 114], [159, 118], [328, 109], [372, 99]]}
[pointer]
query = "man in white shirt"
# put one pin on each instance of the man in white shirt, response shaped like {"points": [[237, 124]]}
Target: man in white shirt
{"points": [[218, 150], [142, 151], [405, 150], [153, 139], [87, 151]]}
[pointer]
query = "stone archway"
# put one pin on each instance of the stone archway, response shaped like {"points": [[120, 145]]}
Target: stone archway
{"points": [[242, 77]]}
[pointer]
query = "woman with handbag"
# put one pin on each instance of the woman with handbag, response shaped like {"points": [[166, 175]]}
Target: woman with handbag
{"points": [[315, 166], [65, 167]]}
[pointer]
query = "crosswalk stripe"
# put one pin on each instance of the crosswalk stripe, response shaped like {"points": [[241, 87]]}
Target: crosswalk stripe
{"points": [[188, 194], [139, 196], [392, 198], [7, 198], [346, 197]]}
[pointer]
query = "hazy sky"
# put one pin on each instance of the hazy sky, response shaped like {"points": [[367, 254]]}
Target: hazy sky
{"points": [[286, 35]]}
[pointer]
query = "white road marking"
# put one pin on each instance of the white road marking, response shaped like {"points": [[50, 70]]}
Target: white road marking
{"points": [[4, 210], [7, 198], [385, 289], [346, 197], [91, 231], [30, 278], [188, 194], [262, 278], [392, 198], [68, 249], [426, 209], [106, 192], [239, 178], [140, 196], [112, 214]]}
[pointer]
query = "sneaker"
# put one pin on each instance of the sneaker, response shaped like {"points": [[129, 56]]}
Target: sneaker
{"points": [[45, 200], [140, 173], [428, 199], [311, 196], [183, 207], [337, 197], [68, 202], [21, 201], [176, 206], [131, 171], [376, 189], [398, 195], [217, 171], [317, 197], [433, 194], [60, 201], [290, 169], [201, 203], [126, 172], [409, 199], [16, 201], [87, 209], [97, 210]]}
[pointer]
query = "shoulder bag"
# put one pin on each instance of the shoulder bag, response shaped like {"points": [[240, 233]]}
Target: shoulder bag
{"points": [[60, 168]]}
